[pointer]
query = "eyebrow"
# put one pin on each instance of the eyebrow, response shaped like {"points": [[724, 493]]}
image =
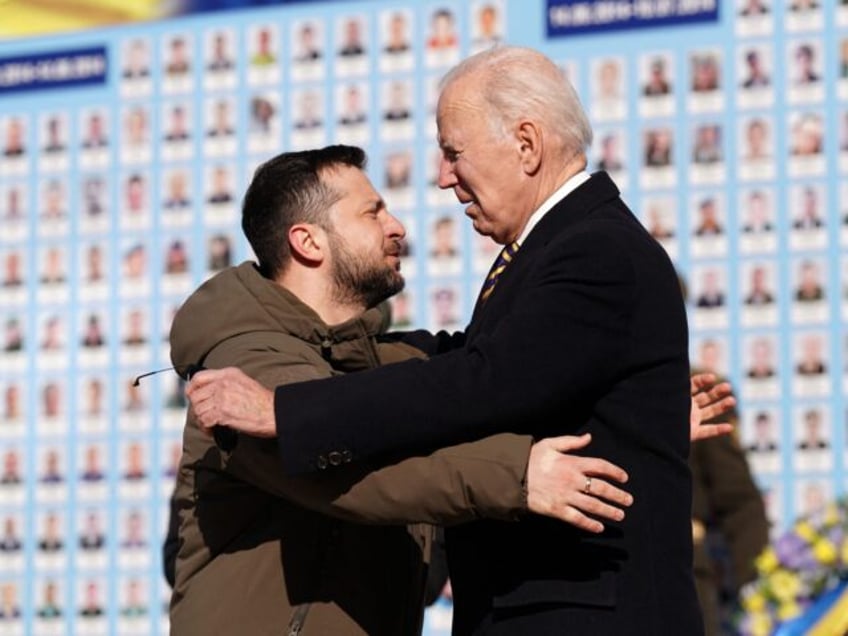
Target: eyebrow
{"points": [[447, 146], [374, 205]]}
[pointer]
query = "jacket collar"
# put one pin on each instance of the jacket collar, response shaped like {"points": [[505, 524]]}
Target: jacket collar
{"points": [[598, 190], [299, 319]]}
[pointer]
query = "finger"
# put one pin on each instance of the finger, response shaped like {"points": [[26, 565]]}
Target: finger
{"points": [[205, 416], [201, 393], [601, 489], [204, 428], [719, 408], [715, 393], [200, 378], [701, 380], [596, 467], [590, 505], [720, 390], [566, 443], [706, 431], [196, 384], [193, 417], [207, 413], [207, 376], [574, 517]]}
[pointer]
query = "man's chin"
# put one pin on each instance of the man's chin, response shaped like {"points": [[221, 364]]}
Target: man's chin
{"points": [[394, 284], [399, 282], [482, 228]]}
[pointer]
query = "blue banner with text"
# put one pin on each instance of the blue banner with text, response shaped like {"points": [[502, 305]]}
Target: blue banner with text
{"points": [[58, 69], [570, 17]]}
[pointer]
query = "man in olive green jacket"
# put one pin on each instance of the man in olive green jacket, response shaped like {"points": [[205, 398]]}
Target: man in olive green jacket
{"points": [[728, 510], [260, 553]]}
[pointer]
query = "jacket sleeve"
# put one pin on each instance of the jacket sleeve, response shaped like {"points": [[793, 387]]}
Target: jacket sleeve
{"points": [[451, 485], [726, 495], [550, 352]]}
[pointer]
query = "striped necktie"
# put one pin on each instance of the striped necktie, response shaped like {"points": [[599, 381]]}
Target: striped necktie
{"points": [[504, 259]]}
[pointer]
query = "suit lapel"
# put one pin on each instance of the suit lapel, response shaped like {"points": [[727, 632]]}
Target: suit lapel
{"points": [[576, 206]]}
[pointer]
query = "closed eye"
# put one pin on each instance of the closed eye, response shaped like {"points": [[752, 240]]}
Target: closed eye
{"points": [[450, 154], [375, 209]]}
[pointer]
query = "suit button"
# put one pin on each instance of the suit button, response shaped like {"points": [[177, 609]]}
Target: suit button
{"points": [[347, 457], [321, 462], [335, 458]]}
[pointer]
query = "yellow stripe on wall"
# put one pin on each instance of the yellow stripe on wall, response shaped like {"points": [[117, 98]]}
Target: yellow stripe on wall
{"points": [[38, 17]]}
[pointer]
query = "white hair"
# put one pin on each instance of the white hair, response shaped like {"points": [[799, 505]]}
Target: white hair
{"points": [[518, 82]]}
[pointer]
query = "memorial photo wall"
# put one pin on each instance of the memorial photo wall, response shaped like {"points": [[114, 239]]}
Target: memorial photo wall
{"points": [[125, 152]]}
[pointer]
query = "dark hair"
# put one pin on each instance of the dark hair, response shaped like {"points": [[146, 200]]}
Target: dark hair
{"points": [[286, 190], [805, 50]]}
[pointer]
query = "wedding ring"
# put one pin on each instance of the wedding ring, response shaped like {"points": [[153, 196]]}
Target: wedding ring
{"points": [[588, 487]]}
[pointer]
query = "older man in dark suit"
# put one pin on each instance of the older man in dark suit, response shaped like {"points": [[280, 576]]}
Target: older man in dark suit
{"points": [[579, 327]]}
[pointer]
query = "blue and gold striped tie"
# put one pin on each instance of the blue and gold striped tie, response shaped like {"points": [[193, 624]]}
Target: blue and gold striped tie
{"points": [[504, 259]]}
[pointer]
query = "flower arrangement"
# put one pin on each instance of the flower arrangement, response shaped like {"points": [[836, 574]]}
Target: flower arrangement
{"points": [[799, 567]]}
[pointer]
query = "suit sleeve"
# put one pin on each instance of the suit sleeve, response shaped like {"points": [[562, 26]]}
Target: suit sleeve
{"points": [[551, 351], [431, 344], [452, 485]]}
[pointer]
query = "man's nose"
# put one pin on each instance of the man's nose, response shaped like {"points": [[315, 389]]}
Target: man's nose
{"points": [[393, 227], [447, 177]]}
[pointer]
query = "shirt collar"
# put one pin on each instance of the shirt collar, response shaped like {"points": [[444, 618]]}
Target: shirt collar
{"points": [[564, 190]]}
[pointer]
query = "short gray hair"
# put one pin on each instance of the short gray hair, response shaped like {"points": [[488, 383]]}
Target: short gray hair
{"points": [[519, 82]]}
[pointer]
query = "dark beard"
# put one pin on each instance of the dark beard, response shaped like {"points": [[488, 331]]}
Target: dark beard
{"points": [[357, 282]]}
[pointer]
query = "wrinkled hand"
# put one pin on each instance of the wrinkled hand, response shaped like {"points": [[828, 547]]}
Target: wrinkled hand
{"points": [[709, 400], [231, 398], [556, 484]]}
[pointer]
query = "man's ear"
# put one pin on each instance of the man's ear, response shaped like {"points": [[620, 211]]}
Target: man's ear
{"points": [[529, 138], [308, 243]]}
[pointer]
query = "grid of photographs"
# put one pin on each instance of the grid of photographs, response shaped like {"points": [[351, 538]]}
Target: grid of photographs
{"points": [[114, 208], [721, 147], [116, 202]]}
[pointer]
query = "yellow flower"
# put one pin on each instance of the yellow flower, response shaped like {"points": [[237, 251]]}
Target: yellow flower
{"points": [[760, 624], [824, 551], [754, 603], [788, 610], [804, 530], [831, 514], [767, 561], [784, 585]]}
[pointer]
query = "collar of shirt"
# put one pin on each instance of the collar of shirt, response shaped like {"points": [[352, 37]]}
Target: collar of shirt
{"points": [[564, 190]]}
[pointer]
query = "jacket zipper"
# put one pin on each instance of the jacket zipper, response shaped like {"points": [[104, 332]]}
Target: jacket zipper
{"points": [[298, 619]]}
